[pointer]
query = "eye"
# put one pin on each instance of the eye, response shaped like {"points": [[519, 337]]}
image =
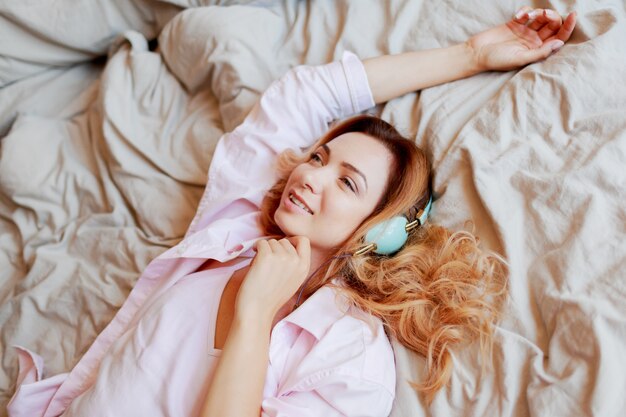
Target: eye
{"points": [[316, 157], [348, 183]]}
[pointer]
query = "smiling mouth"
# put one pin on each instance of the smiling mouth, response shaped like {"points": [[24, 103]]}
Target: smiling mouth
{"points": [[299, 203]]}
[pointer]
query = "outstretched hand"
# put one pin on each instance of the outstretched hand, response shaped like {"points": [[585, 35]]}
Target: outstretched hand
{"points": [[532, 35]]}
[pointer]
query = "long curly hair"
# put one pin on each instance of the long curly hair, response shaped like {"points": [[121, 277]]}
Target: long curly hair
{"points": [[439, 291]]}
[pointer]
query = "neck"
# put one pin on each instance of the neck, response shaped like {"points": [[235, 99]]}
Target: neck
{"points": [[319, 260], [318, 257]]}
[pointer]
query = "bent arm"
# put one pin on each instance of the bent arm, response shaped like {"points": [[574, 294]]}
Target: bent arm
{"points": [[292, 113], [237, 386]]}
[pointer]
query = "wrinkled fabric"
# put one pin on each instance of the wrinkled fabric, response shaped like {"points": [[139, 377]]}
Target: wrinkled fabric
{"points": [[102, 168]]}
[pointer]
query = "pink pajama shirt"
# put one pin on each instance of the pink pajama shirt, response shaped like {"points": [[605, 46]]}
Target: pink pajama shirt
{"points": [[157, 357]]}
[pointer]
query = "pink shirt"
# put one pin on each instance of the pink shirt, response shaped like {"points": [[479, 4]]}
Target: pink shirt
{"points": [[325, 359]]}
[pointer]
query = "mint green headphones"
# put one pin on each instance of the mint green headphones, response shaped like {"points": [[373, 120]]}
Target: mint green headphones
{"points": [[389, 236], [383, 239]]}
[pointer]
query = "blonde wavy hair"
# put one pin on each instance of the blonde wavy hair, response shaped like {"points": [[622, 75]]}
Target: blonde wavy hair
{"points": [[439, 291]]}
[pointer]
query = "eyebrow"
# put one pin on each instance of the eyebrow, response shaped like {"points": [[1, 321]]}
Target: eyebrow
{"points": [[347, 165]]}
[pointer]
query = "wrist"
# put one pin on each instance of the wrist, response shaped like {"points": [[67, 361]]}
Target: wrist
{"points": [[475, 64], [259, 315]]}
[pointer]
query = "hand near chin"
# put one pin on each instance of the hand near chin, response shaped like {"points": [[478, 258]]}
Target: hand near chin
{"points": [[276, 273]]}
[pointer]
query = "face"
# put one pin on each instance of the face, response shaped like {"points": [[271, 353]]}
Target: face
{"points": [[329, 196]]}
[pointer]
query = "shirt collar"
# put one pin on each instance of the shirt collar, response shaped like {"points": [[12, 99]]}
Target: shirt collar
{"points": [[320, 311]]}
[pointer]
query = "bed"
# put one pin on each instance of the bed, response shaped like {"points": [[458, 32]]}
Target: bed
{"points": [[110, 111]]}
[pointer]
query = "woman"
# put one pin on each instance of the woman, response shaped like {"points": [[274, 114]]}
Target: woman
{"points": [[276, 302]]}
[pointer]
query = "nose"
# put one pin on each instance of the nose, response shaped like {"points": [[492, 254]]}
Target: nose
{"points": [[314, 180]]}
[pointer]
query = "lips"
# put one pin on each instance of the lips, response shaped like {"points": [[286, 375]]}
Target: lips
{"points": [[299, 202]]}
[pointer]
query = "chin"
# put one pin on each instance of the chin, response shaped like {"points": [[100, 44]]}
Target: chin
{"points": [[287, 225]]}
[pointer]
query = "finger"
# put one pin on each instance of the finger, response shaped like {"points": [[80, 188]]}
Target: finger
{"points": [[294, 240], [536, 54], [554, 19], [521, 16], [567, 28], [554, 22], [537, 19], [546, 32], [275, 246], [288, 246], [262, 247], [549, 17], [303, 247]]}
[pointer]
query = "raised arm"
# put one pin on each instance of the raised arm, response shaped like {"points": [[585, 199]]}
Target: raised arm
{"points": [[292, 113], [531, 35]]}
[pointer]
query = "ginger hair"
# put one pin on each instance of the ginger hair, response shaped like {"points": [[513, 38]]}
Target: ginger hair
{"points": [[439, 291]]}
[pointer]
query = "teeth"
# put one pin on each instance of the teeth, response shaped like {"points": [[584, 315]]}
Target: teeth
{"points": [[299, 203]]}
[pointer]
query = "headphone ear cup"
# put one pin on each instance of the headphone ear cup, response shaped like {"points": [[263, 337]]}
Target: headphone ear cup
{"points": [[388, 236]]}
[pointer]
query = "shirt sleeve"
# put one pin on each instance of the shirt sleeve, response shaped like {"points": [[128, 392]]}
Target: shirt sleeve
{"points": [[344, 396], [292, 113]]}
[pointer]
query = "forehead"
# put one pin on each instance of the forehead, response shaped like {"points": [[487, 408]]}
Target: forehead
{"points": [[360, 147], [367, 154]]}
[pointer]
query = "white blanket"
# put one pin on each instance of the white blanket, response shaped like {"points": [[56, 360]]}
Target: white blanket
{"points": [[101, 170]]}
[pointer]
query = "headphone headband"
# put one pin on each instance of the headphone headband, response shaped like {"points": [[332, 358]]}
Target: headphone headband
{"points": [[426, 210]]}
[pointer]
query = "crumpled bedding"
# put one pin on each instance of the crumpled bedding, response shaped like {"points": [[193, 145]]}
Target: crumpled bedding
{"points": [[102, 164]]}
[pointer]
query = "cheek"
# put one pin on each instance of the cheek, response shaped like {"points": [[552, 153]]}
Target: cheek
{"points": [[292, 178], [297, 172], [343, 213]]}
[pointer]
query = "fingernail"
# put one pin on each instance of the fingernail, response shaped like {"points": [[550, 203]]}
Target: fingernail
{"points": [[519, 14], [532, 14], [556, 45]]}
